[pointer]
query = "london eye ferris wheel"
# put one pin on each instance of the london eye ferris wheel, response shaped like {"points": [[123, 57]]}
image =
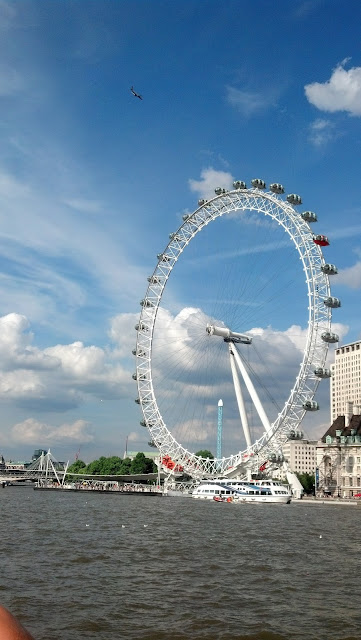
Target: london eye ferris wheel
{"points": [[238, 307]]}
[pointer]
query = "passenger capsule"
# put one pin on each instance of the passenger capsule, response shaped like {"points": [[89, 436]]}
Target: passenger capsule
{"points": [[162, 257], [309, 216], [186, 216], [276, 457], [257, 183], [311, 405], [174, 236], [141, 327], [295, 434], [201, 202], [153, 280], [239, 184], [322, 241], [143, 423], [329, 269], [140, 353], [146, 303], [141, 376], [333, 303], [328, 336], [320, 372], [276, 187], [294, 199]]}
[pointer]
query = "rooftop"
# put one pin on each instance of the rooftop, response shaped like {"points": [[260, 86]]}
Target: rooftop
{"points": [[339, 425]]}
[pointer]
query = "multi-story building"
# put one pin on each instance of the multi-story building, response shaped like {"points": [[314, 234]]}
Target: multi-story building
{"points": [[346, 380], [300, 455], [339, 457]]}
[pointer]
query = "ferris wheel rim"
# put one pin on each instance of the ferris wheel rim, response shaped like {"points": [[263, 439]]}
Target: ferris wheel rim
{"points": [[315, 351]]}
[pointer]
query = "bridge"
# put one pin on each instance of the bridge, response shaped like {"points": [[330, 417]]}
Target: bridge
{"points": [[47, 468]]}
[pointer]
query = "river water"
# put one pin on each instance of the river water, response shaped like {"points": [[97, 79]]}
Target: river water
{"points": [[82, 566]]}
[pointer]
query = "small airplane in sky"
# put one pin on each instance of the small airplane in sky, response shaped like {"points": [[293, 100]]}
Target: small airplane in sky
{"points": [[136, 94]]}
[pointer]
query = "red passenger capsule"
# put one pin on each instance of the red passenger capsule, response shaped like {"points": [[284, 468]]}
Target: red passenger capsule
{"points": [[322, 241]]}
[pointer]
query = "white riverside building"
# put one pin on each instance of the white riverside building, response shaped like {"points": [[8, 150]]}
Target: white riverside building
{"points": [[339, 457], [300, 455], [346, 380]]}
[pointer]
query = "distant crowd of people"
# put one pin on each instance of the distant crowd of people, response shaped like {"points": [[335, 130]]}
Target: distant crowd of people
{"points": [[89, 485]]}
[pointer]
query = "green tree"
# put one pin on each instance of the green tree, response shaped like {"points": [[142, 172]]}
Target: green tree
{"points": [[112, 465], [125, 467], [308, 481], [204, 453], [141, 464], [96, 466], [77, 467]]}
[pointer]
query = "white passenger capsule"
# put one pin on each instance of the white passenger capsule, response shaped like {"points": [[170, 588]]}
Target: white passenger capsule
{"points": [[320, 372], [329, 269], [201, 201], [276, 456], [309, 216], [311, 405], [257, 183], [153, 280], [333, 303], [276, 187], [294, 199], [328, 336], [239, 184], [141, 376], [186, 216], [139, 353], [295, 434], [141, 327], [146, 303], [163, 257], [174, 236]]}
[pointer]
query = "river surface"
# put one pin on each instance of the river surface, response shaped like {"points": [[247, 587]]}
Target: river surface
{"points": [[82, 566]]}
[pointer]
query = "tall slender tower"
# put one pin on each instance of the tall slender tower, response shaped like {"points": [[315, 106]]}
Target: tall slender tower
{"points": [[219, 430]]}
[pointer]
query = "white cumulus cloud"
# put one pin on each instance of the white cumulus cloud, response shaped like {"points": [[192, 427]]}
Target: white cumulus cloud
{"points": [[59, 377], [31, 431], [210, 179], [16, 351], [351, 276], [342, 92]]}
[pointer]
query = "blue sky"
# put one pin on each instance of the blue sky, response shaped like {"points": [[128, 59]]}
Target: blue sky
{"points": [[93, 180]]}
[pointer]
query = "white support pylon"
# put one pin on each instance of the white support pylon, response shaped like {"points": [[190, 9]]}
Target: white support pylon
{"points": [[239, 397], [251, 390]]}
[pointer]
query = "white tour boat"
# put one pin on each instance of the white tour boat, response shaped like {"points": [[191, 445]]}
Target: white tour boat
{"points": [[276, 488], [237, 491]]}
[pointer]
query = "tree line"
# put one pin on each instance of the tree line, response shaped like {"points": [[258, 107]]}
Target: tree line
{"points": [[113, 466]]}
